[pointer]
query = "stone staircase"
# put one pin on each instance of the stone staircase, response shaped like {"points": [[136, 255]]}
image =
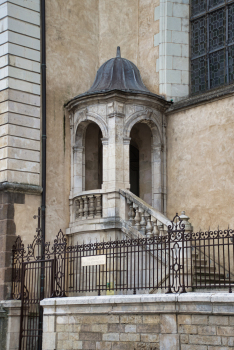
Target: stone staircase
{"points": [[208, 276]]}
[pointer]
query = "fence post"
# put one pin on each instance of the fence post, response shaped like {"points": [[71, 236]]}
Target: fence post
{"points": [[187, 252], [169, 290]]}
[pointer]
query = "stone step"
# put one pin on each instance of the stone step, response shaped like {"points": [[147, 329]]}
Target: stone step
{"points": [[208, 282], [206, 289], [204, 269], [199, 262]]}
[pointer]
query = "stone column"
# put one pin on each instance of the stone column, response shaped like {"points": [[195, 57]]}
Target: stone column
{"points": [[157, 177], [9, 324], [105, 165], [49, 325], [187, 247], [126, 142], [78, 169], [114, 160], [115, 146]]}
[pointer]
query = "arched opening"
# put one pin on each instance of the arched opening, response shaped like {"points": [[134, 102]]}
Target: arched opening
{"points": [[134, 169], [93, 157], [140, 162]]}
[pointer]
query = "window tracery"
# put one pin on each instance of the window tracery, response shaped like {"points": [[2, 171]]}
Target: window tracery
{"points": [[212, 44]]}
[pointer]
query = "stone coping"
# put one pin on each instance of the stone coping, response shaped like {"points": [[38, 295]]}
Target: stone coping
{"points": [[206, 97], [10, 303], [142, 298]]}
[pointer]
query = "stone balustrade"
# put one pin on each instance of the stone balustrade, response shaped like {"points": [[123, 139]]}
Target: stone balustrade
{"points": [[144, 218], [88, 206]]}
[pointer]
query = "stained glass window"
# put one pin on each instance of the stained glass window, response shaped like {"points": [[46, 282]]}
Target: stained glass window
{"points": [[212, 44]]}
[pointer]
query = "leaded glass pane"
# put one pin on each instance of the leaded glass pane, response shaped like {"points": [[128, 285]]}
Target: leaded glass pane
{"points": [[199, 37], [209, 60], [198, 78], [231, 23], [198, 6], [217, 68], [217, 29], [231, 63], [213, 3]]}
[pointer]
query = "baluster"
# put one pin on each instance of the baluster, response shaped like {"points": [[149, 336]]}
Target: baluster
{"points": [[161, 234], [98, 206], [155, 228], [137, 218], [160, 227], [81, 210], [86, 207], [91, 206], [130, 212], [149, 226], [77, 206], [142, 222]]}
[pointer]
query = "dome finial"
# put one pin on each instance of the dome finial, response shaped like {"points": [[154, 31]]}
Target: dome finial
{"points": [[118, 53]]}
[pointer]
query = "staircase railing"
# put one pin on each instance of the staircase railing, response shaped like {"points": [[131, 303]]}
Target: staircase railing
{"points": [[143, 218]]}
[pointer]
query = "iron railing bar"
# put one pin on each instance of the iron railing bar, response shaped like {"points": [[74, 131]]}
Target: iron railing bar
{"points": [[218, 258], [224, 259]]}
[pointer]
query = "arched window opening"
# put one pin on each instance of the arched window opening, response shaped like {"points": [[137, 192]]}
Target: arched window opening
{"points": [[134, 169], [141, 141], [93, 157]]}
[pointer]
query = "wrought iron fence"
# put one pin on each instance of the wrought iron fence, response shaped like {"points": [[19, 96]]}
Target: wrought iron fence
{"points": [[173, 262], [177, 261]]}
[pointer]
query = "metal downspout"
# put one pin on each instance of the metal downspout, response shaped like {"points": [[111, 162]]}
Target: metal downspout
{"points": [[43, 168], [43, 102]]}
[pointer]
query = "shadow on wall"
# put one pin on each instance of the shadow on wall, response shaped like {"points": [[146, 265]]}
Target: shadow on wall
{"points": [[140, 162], [93, 157]]}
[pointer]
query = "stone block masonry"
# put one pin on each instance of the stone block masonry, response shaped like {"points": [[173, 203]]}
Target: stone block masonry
{"points": [[192, 321], [20, 91], [19, 124], [173, 43]]}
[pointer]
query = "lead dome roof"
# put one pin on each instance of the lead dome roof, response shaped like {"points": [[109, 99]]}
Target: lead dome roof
{"points": [[118, 74]]}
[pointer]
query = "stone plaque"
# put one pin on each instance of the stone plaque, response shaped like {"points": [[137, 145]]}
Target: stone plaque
{"points": [[93, 260]]}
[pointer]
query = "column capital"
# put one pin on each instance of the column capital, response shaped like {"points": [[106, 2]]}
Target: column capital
{"points": [[105, 140], [126, 140], [78, 149]]}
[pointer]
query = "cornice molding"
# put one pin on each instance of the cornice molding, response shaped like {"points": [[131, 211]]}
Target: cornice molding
{"points": [[20, 188]]}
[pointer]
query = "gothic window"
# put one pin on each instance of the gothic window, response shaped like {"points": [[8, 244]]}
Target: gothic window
{"points": [[212, 44]]}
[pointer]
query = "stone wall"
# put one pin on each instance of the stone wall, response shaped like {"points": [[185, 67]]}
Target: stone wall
{"points": [[199, 164], [192, 321]]}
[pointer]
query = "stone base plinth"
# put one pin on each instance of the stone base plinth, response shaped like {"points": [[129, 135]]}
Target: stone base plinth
{"points": [[192, 321], [9, 324]]}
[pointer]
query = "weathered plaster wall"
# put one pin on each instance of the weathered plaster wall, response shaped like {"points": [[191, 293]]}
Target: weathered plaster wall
{"points": [[72, 62], [130, 24], [118, 26], [147, 52], [200, 164], [25, 225]]}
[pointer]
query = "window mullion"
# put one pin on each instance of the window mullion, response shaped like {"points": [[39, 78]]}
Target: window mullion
{"points": [[226, 43], [208, 46]]}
